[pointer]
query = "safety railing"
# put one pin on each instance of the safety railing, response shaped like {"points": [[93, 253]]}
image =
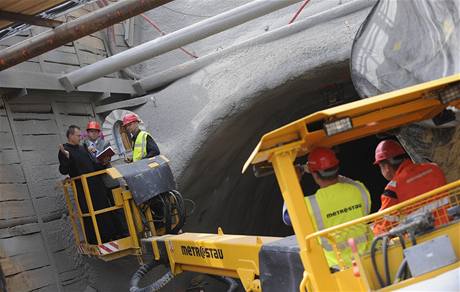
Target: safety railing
{"points": [[102, 225], [362, 230]]}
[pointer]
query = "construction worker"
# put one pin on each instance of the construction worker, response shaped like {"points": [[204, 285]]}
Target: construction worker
{"points": [[338, 200], [144, 145], [406, 180], [94, 142]]}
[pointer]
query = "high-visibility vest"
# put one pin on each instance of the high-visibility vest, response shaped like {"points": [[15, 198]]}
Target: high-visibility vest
{"points": [[336, 204], [140, 146]]}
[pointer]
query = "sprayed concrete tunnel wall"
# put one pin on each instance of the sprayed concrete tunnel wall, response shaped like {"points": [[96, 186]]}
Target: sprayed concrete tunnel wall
{"points": [[207, 123]]}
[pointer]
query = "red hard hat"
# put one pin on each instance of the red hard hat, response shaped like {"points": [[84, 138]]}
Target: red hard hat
{"points": [[321, 159], [388, 149], [129, 118], [93, 125]]}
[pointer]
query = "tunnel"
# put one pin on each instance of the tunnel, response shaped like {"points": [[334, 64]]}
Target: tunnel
{"points": [[244, 204]]}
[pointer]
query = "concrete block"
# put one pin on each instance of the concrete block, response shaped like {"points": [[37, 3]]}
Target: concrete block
{"points": [[6, 141], [43, 172], [73, 108], [4, 124], [31, 280], [19, 230], [14, 191], [42, 156], [30, 108], [23, 262], [16, 209], [9, 157], [46, 188], [11, 173], [38, 142], [36, 127], [17, 245]]}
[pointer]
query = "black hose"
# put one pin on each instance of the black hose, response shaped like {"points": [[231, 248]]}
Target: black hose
{"points": [[155, 286], [374, 262], [385, 260], [403, 246], [232, 283], [180, 206]]}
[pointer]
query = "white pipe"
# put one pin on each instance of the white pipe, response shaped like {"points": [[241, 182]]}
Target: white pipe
{"points": [[162, 78], [173, 41]]}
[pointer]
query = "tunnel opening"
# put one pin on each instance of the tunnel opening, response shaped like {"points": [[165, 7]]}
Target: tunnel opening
{"points": [[244, 204]]}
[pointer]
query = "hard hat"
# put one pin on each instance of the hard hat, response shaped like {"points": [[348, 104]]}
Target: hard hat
{"points": [[321, 159], [93, 125], [129, 118], [388, 149]]}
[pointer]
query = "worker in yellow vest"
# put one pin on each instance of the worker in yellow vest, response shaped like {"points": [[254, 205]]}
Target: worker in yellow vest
{"points": [[143, 144], [338, 200]]}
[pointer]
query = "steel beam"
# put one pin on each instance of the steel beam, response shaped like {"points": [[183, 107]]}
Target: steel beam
{"points": [[80, 27], [29, 19], [173, 41]]}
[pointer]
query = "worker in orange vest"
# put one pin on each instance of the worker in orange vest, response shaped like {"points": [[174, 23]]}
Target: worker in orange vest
{"points": [[406, 180]]}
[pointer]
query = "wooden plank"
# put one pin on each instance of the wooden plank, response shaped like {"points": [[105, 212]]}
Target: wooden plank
{"points": [[20, 230], [6, 141], [16, 209], [36, 127], [4, 124], [11, 173], [121, 104], [43, 156], [23, 262], [30, 108], [17, 245], [31, 280], [73, 108], [9, 157], [38, 142], [13, 192]]}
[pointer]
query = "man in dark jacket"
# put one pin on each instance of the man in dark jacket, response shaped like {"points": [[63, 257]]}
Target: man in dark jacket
{"points": [[75, 160]]}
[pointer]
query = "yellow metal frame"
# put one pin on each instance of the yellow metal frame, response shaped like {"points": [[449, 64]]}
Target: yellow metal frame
{"points": [[370, 116], [123, 201], [235, 256]]}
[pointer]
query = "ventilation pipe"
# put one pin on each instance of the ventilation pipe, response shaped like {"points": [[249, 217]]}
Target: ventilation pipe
{"points": [[172, 41], [167, 76]]}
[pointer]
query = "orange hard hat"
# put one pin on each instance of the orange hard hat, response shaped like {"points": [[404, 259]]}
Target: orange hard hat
{"points": [[388, 149], [129, 118], [321, 159], [93, 125]]}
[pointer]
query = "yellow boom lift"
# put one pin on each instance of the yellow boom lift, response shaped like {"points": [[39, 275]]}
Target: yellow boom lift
{"points": [[416, 254]]}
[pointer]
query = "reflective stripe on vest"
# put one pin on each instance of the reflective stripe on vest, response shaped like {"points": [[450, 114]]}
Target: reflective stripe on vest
{"points": [[362, 190], [140, 146]]}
